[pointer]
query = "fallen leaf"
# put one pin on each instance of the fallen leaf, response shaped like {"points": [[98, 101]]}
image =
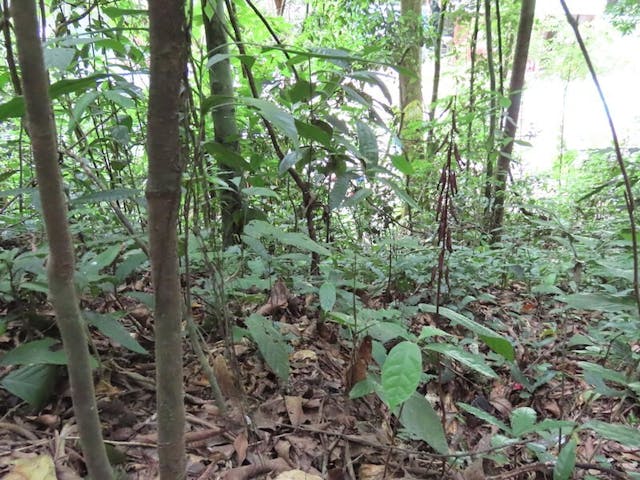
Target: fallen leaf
{"points": [[225, 377], [357, 369], [33, 468], [294, 410], [241, 444], [369, 471], [297, 475]]}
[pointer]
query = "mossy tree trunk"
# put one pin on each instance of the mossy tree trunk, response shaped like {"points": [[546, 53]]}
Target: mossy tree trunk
{"points": [[168, 64], [224, 120], [61, 261]]}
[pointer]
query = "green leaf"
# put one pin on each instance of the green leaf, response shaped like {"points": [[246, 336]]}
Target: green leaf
{"points": [[327, 295], [494, 340], [289, 160], [566, 462], [401, 373], [259, 192], [600, 302], [63, 87], [303, 242], [271, 343], [338, 192], [107, 196], [627, 436], [256, 245], [357, 197], [119, 97], [522, 421], [402, 164], [131, 261], [81, 106], [476, 362], [109, 326], [33, 383], [362, 388], [367, 143], [36, 352], [421, 421], [277, 117], [58, 57], [14, 108], [482, 415], [313, 132], [7, 174], [428, 332], [226, 156]]}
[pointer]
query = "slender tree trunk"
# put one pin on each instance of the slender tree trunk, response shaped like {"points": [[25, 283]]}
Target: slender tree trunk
{"points": [[437, 63], [168, 63], [472, 76], [61, 262], [411, 85], [493, 111], [224, 122], [525, 26]]}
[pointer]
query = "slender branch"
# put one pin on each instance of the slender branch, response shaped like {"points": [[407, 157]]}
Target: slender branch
{"points": [[628, 197]]}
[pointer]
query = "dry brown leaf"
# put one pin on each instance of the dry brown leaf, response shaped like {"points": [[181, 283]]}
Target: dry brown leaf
{"points": [[357, 369], [297, 475], [278, 299], [241, 444], [225, 377], [369, 471], [294, 410]]}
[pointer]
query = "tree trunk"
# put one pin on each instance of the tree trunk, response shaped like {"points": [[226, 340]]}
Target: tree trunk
{"points": [[437, 63], [525, 26], [493, 112], [168, 63], [411, 103], [224, 122], [61, 261]]}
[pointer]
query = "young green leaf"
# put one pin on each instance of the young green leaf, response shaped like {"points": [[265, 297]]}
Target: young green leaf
{"points": [[566, 462], [522, 420], [420, 420], [327, 295], [32, 383], [401, 373], [476, 362]]}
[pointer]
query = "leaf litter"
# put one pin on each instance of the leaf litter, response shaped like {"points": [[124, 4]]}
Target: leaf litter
{"points": [[308, 427]]}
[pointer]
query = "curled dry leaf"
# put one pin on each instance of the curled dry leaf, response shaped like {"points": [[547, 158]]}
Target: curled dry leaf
{"points": [[359, 364], [225, 377], [294, 410]]}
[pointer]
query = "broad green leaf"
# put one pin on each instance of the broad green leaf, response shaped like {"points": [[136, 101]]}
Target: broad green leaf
{"points": [[58, 57], [315, 133], [259, 228], [107, 196], [7, 174], [81, 106], [420, 420], [227, 157], [259, 192], [401, 373], [494, 340], [386, 331], [120, 98], [303, 242], [131, 261], [35, 286], [146, 298], [476, 362], [362, 388], [276, 116], [486, 416], [367, 143], [63, 87], [271, 343], [399, 191], [327, 295], [563, 469], [289, 160], [402, 164], [373, 78], [522, 420], [338, 192], [627, 436], [36, 352], [14, 108], [429, 331], [600, 302], [256, 245], [357, 197], [110, 326], [32, 383]]}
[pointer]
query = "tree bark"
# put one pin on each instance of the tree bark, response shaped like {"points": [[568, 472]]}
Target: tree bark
{"points": [[224, 122], [61, 261], [437, 64], [493, 112], [525, 26], [168, 63]]}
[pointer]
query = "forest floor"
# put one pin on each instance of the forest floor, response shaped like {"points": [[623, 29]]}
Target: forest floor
{"points": [[310, 424]]}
